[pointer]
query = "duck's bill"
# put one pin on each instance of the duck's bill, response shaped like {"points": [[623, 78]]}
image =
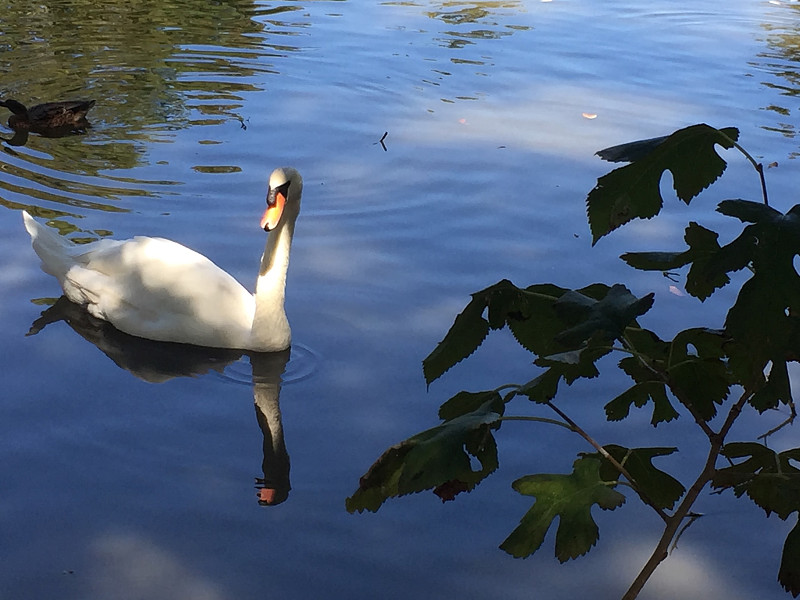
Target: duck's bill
{"points": [[272, 216]]}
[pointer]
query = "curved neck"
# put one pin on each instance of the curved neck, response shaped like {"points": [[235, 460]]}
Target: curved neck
{"points": [[270, 329]]}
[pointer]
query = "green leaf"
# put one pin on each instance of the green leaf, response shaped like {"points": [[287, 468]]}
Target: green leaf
{"points": [[633, 191], [698, 376], [543, 388], [777, 389], [467, 402], [435, 457], [767, 477], [789, 573], [631, 151], [568, 497], [764, 318], [660, 488], [639, 395], [710, 263], [528, 313], [606, 318], [467, 333]]}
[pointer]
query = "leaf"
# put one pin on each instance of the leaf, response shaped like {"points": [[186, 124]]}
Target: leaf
{"points": [[789, 573], [764, 318], [467, 333], [606, 318], [568, 497], [777, 389], [639, 395], [533, 318], [767, 477], [466, 402], [633, 191], [631, 151], [528, 313], [430, 459], [660, 488], [543, 388], [698, 376]]}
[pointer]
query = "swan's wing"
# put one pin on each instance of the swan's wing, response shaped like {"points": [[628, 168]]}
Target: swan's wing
{"points": [[158, 289]]}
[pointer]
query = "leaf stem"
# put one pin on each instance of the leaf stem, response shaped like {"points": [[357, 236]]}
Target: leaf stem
{"points": [[759, 169], [538, 420]]}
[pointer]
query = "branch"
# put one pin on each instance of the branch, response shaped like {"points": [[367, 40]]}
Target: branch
{"points": [[674, 522]]}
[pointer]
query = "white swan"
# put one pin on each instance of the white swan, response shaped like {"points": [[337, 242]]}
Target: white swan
{"points": [[160, 290]]}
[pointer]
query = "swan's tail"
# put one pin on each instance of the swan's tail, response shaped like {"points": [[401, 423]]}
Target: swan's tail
{"points": [[53, 249]]}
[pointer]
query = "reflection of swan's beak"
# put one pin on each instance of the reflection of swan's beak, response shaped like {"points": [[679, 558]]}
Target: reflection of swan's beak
{"points": [[271, 496]]}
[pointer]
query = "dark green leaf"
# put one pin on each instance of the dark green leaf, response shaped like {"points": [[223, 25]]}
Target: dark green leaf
{"points": [[767, 477], [656, 261], [638, 395], [660, 488], [467, 333], [606, 318], [631, 151], [710, 263], [698, 377], [568, 497], [543, 388], [789, 573], [467, 402], [777, 389], [438, 456], [633, 191]]}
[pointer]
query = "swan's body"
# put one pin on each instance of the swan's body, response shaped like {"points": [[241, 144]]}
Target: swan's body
{"points": [[160, 290]]}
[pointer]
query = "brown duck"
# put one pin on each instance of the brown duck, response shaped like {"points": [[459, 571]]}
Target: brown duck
{"points": [[49, 117]]}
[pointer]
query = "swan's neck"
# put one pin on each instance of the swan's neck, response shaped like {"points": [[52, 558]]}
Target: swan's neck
{"points": [[270, 329]]}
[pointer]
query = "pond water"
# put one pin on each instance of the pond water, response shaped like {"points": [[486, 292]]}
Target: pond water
{"points": [[122, 477]]}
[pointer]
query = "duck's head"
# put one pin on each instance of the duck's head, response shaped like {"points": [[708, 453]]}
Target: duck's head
{"points": [[18, 108], [283, 198]]}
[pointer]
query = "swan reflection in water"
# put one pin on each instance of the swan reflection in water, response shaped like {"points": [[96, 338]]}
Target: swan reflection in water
{"points": [[156, 362]]}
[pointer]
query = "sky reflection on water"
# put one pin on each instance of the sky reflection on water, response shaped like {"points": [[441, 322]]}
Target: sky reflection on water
{"points": [[146, 490]]}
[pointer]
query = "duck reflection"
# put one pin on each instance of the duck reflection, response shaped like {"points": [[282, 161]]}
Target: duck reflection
{"points": [[156, 362]]}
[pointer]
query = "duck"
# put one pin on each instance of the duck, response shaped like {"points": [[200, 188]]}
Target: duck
{"points": [[51, 116], [159, 289]]}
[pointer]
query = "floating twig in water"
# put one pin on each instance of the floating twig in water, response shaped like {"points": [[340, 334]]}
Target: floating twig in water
{"points": [[380, 141]]}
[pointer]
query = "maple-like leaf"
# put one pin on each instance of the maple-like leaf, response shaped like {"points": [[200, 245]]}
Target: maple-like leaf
{"points": [[606, 318], [708, 271], [789, 573], [767, 477], [633, 191], [433, 458], [568, 497], [660, 488]]}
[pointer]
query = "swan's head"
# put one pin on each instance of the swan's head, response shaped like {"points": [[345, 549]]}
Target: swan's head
{"points": [[283, 198]]}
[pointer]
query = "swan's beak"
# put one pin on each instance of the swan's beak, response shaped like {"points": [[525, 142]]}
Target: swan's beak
{"points": [[276, 200]]}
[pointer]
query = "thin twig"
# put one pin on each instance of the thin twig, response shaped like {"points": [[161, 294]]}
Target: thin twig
{"points": [[759, 169]]}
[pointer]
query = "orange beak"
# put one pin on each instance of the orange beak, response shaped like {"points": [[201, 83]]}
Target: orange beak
{"points": [[272, 215]]}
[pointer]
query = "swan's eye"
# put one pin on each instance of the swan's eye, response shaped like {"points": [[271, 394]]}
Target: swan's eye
{"points": [[282, 189]]}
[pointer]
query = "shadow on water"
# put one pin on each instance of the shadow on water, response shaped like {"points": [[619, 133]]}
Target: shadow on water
{"points": [[157, 362]]}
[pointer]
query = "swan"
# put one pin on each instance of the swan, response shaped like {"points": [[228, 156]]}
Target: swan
{"points": [[158, 289]]}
